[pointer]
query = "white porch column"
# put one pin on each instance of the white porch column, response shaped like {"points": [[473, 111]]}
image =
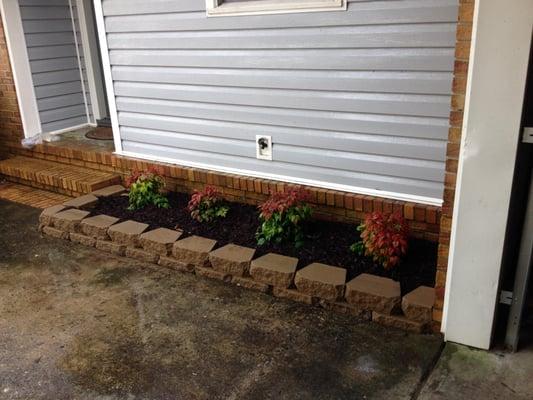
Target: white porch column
{"points": [[495, 91]]}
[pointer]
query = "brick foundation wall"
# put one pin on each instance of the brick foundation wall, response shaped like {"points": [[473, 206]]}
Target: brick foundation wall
{"points": [[10, 121], [329, 204], [462, 54]]}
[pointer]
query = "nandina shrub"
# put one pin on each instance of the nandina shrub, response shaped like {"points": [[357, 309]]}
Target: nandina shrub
{"points": [[283, 217], [146, 188], [384, 238], [207, 205]]}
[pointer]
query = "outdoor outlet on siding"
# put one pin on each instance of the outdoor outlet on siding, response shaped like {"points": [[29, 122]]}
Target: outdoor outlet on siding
{"points": [[263, 147]]}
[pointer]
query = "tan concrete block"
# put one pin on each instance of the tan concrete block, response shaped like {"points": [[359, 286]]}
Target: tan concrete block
{"points": [[399, 322], [210, 273], [249, 283], [341, 307], [111, 247], [291, 294], [82, 239], [68, 220], [46, 216], [159, 241], [172, 263], [374, 293], [113, 190], [141, 255], [418, 304], [127, 233], [232, 259], [82, 202], [321, 280], [193, 250], [56, 233], [274, 269], [97, 226]]}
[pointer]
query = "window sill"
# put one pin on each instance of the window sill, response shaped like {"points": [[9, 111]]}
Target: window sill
{"points": [[275, 7]]}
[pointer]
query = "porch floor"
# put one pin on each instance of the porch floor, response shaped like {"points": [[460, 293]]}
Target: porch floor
{"points": [[76, 140]]}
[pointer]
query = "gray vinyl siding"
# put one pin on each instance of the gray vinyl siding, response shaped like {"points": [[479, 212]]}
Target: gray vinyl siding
{"points": [[359, 98], [54, 63]]}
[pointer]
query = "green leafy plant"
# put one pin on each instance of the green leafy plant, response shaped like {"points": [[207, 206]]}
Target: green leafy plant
{"points": [[146, 189], [283, 217], [384, 237], [207, 205]]}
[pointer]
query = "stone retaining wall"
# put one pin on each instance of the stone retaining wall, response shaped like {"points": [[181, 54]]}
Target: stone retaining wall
{"points": [[366, 296]]}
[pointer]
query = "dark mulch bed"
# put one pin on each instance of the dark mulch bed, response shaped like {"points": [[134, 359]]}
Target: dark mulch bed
{"points": [[328, 242]]}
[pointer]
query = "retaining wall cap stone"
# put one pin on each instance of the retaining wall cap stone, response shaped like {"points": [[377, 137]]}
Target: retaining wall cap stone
{"points": [[196, 243], [109, 191], [276, 262], [232, 252], [72, 214], [162, 235], [53, 210], [129, 227], [87, 200], [422, 296], [375, 285], [100, 221], [274, 269], [323, 273]]}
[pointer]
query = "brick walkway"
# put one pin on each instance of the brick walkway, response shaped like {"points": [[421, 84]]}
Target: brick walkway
{"points": [[30, 196]]}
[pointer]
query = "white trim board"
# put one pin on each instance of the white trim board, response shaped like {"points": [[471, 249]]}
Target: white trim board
{"points": [[219, 8], [92, 60], [20, 67], [490, 135], [301, 181], [106, 66]]}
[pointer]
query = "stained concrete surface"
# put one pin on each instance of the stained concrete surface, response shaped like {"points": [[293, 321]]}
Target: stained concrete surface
{"points": [[77, 323], [463, 373]]}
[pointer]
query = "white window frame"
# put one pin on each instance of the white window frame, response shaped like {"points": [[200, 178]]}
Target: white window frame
{"points": [[218, 8]]}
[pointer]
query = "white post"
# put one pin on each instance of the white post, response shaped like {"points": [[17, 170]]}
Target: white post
{"points": [[90, 55], [106, 66], [499, 59], [20, 67]]}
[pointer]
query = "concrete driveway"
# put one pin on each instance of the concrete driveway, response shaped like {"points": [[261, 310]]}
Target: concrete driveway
{"points": [[76, 323]]}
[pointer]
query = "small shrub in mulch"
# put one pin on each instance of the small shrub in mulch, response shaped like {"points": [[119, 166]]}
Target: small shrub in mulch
{"points": [[146, 188], [325, 242]]}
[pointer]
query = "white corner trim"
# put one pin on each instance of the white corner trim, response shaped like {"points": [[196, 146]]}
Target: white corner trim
{"points": [[80, 69], [490, 136], [92, 61], [20, 67], [218, 8], [300, 181], [106, 66]]}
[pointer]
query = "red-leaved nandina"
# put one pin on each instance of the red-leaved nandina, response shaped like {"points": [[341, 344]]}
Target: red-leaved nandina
{"points": [[207, 205], [281, 201], [283, 217], [384, 237], [145, 188]]}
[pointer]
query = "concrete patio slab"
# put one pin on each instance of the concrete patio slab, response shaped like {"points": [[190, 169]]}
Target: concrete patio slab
{"points": [[463, 373], [78, 323]]}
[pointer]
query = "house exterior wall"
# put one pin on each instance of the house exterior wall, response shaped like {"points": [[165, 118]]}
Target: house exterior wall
{"points": [[357, 98], [54, 65]]}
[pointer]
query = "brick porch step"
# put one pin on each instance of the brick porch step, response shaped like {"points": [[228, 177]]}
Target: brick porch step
{"points": [[56, 177]]}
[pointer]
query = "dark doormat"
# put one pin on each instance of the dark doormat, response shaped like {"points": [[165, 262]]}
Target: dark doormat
{"points": [[100, 134]]}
